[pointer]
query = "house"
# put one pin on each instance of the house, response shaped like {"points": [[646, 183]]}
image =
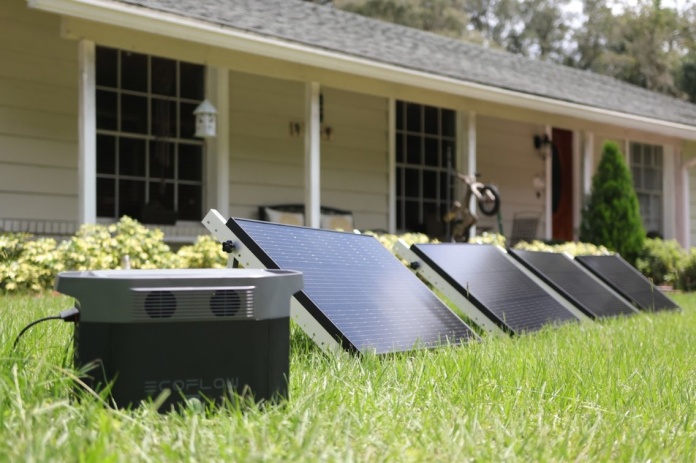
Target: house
{"points": [[315, 106]]}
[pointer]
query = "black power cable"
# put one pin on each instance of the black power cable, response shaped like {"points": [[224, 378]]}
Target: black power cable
{"points": [[70, 315]]}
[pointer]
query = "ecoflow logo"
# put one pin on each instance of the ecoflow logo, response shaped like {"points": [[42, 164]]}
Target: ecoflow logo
{"points": [[188, 386]]}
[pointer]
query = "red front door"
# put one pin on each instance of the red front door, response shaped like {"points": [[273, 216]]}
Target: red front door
{"points": [[562, 185]]}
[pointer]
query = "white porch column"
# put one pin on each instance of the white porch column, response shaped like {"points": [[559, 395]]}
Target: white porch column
{"points": [[627, 152], [218, 148], [669, 192], [587, 166], [312, 156], [686, 202], [577, 184], [471, 160], [548, 191], [391, 143], [87, 134], [222, 142]]}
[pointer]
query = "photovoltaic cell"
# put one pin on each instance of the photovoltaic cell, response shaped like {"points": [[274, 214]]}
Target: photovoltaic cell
{"points": [[355, 288], [627, 281], [495, 285], [572, 282]]}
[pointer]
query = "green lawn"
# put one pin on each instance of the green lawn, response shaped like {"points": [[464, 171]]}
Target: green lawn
{"points": [[619, 390]]}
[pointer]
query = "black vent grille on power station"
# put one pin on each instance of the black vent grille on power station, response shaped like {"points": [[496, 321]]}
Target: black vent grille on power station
{"points": [[355, 288], [572, 281], [192, 303], [627, 281], [495, 285]]}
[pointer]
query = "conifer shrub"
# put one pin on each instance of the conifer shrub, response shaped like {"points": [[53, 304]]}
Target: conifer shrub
{"points": [[611, 217]]}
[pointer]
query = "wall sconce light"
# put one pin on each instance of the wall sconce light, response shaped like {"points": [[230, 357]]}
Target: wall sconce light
{"points": [[206, 120], [296, 129], [326, 133], [541, 140]]}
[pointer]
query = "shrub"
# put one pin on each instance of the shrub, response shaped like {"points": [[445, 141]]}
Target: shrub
{"points": [[388, 240], [34, 266], [103, 247], [28, 264], [663, 261], [570, 247], [12, 246], [488, 238], [145, 247], [206, 252], [688, 277], [612, 216]]}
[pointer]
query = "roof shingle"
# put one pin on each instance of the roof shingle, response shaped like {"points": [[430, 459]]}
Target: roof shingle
{"points": [[338, 31]]}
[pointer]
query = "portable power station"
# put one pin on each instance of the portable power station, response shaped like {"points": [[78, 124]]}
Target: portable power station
{"points": [[198, 333]]}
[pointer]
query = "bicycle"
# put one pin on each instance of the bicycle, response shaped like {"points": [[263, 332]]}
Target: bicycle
{"points": [[487, 198]]}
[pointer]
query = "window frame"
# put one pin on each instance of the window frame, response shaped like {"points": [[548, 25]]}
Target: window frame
{"points": [[647, 164], [431, 176], [181, 137]]}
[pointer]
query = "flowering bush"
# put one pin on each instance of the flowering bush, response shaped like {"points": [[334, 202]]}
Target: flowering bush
{"points": [[388, 240], [662, 261], [570, 247], [488, 238], [29, 266], [206, 252], [104, 246]]}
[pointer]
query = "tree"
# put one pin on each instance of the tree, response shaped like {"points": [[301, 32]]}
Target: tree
{"points": [[592, 37], [444, 17], [541, 30], [641, 42], [612, 216], [686, 76]]}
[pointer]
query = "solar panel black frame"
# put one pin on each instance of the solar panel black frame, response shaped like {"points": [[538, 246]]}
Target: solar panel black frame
{"points": [[460, 332], [570, 280], [628, 282], [496, 257]]}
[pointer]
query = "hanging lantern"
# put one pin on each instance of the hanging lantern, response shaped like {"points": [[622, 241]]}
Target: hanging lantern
{"points": [[206, 118]]}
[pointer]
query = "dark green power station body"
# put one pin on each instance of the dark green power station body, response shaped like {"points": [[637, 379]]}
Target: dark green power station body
{"points": [[199, 333]]}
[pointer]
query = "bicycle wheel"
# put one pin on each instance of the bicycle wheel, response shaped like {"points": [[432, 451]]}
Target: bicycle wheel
{"points": [[487, 205]]}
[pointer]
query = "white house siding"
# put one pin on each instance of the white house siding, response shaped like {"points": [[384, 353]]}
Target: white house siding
{"points": [[267, 160], [506, 157], [689, 156], [38, 116], [354, 160]]}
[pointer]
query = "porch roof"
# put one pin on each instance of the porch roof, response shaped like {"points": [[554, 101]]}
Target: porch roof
{"points": [[328, 37]]}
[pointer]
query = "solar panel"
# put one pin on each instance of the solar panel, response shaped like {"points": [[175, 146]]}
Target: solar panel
{"points": [[574, 282], [498, 288], [355, 290], [627, 281]]}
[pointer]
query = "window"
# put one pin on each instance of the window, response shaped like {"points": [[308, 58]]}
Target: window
{"points": [[646, 168], [149, 164], [425, 145]]}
